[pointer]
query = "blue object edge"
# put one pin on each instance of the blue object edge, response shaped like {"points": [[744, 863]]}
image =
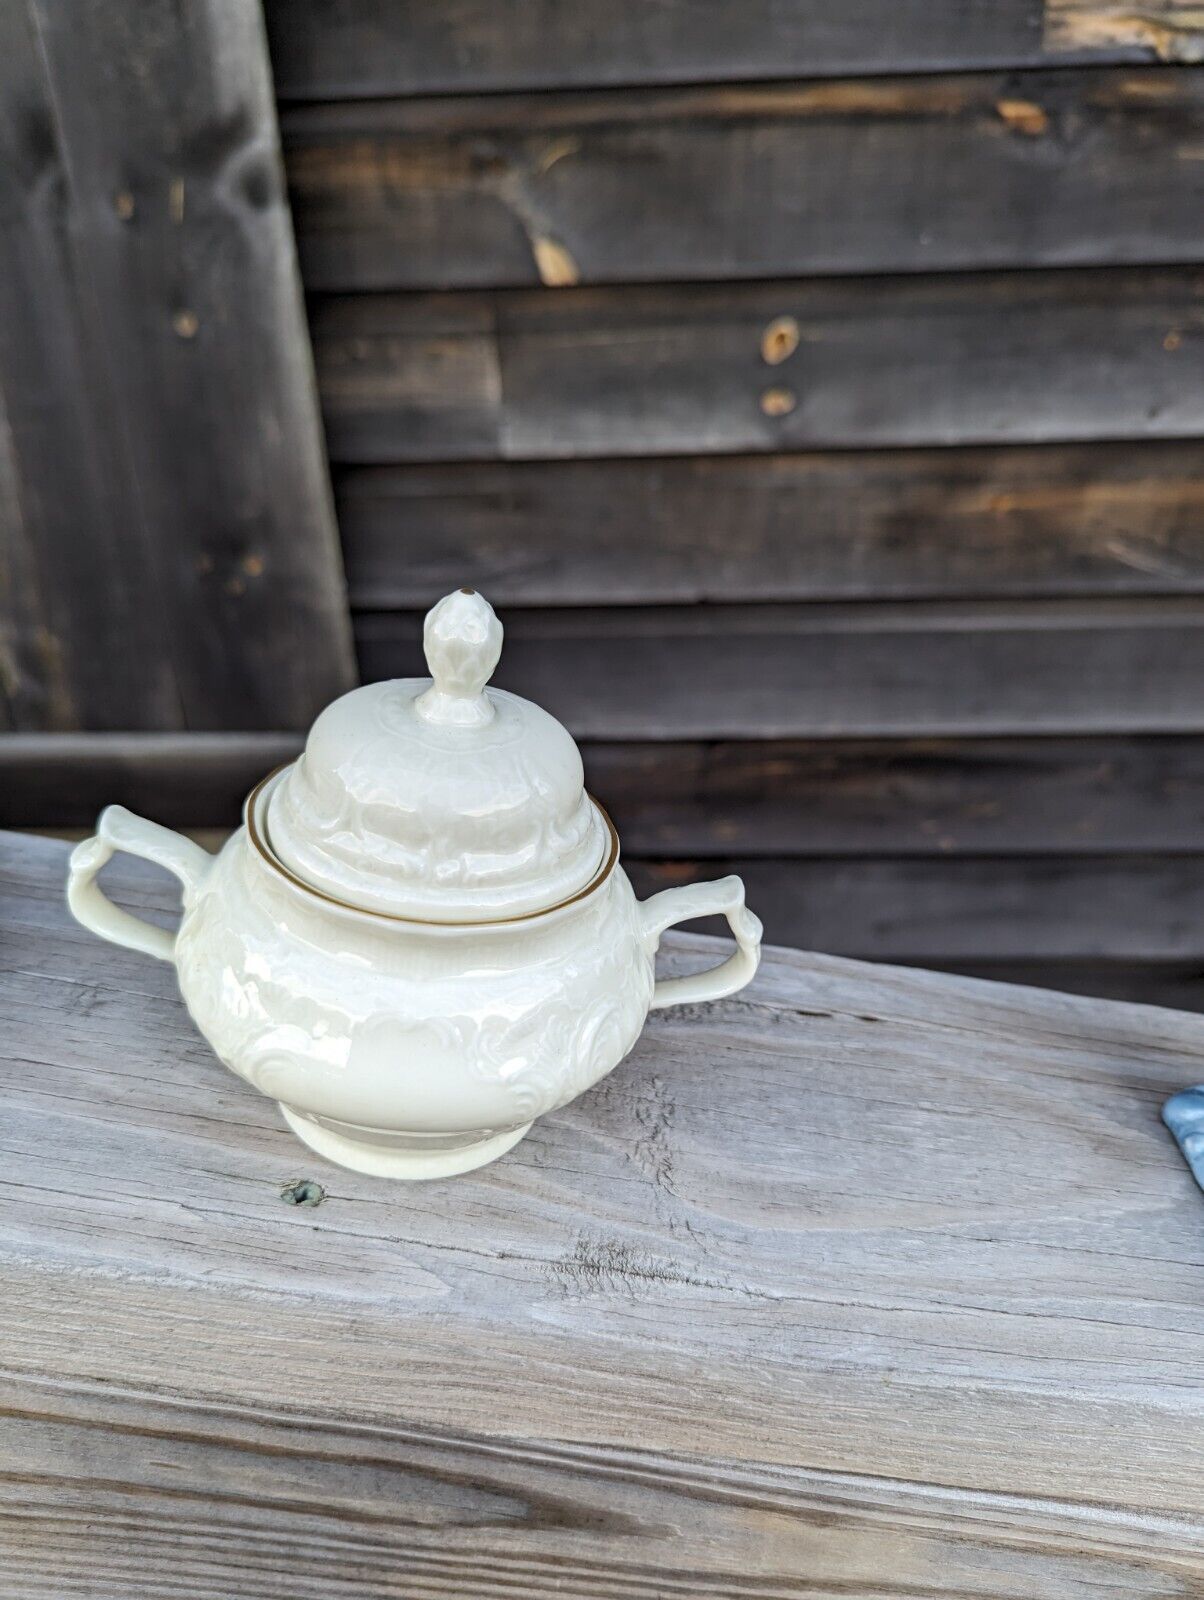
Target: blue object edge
{"points": [[1183, 1114]]}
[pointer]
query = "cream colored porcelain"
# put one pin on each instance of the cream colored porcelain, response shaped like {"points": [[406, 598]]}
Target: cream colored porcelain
{"points": [[439, 800], [421, 939]]}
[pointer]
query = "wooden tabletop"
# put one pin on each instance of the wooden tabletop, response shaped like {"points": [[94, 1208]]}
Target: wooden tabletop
{"points": [[865, 1282]]}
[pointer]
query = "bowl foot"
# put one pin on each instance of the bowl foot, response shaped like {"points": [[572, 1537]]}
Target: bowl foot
{"points": [[385, 1154]]}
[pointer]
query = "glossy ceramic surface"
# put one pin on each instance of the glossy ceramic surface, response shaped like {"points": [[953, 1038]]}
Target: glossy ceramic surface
{"points": [[413, 1045], [438, 798], [406, 1049]]}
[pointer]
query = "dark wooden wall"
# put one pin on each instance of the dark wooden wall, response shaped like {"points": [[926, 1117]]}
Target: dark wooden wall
{"points": [[168, 552], [817, 388]]}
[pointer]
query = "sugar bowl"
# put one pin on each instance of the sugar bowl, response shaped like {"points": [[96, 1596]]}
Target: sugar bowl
{"points": [[421, 938]]}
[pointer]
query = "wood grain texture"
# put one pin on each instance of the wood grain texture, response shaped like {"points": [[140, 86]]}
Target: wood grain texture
{"points": [[973, 523], [1179, 985], [402, 1511], [156, 378], [985, 358], [186, 780], [34, 690], [796, 671], [904, 797], [865, 1282], [340, 49], [826, 797], [71, 528], [970, 910], [1074, 168]]}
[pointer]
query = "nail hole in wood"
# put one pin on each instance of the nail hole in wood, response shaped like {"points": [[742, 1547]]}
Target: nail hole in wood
{"points": [[305, 1192]]}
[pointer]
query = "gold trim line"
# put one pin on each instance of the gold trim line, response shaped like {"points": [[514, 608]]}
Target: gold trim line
{"points": [[272, 860]]}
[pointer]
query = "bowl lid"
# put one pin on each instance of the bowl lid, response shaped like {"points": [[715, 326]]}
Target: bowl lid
{"points": [[438, 798]]}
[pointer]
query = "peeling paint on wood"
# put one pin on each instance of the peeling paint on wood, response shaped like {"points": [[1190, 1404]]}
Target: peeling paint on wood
{"points": [[1170, 30]]}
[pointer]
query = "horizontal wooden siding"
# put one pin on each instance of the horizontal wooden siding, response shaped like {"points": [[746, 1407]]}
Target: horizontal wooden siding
{"points": [[818, 391]]}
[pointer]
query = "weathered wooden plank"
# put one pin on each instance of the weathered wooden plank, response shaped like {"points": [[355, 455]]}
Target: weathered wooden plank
{"points": [[967, 911], [1043, 520], [985, 358], [370, 48], [156, 378], [919, 669], [138, 1497], [920, 798], [1069, 168], [860, 1271], [33, 688], [418, 377], [72, 528], [828, 797], [1171, 30], [186, 780], [1179, 985]]}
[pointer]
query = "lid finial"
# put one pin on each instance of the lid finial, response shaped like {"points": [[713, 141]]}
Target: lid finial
{"points": [[462, 638]]}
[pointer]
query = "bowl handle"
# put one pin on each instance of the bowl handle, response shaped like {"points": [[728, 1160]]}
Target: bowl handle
{"points": [[119, 829], [726, 896]]}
